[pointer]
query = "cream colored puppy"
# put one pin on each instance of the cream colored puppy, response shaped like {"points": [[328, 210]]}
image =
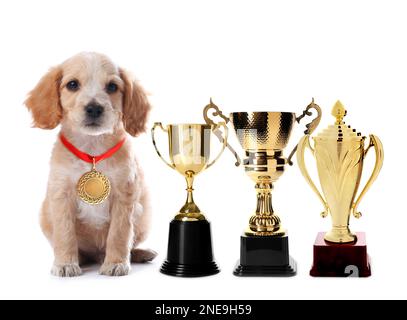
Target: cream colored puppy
{"points": [[96, 103]]}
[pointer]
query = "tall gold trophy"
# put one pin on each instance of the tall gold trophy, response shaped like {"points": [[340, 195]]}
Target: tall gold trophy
{"points": [[339, 152], [190, 245], [264, 136]]}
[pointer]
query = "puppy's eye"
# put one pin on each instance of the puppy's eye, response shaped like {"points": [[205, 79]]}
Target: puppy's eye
{"points": [[111, 87], [73, 85]]}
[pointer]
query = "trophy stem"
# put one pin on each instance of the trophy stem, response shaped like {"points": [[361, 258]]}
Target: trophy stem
{"points": [[190, 211], [265, 222], [264, 199]]}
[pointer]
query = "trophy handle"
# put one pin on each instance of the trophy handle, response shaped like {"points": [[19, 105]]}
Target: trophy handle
{"points": [[160, 125], [208, 120], [224, 140], [310, 126], [305, 143], [377, 144]]}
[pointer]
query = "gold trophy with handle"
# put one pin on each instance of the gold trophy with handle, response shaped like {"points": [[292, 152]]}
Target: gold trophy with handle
{"points": [[340, 152], [190, 244], [263, 137]]}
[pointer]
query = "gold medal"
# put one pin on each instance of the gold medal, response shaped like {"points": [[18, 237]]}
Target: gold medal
{"points": [[93, 187]]}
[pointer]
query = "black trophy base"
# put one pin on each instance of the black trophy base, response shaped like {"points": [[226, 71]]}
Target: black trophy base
{"points": [[189, 271], [265, 257], [190, 250]]}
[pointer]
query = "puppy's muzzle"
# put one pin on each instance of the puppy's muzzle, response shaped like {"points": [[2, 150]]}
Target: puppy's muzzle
{"points": [[94, 111]]}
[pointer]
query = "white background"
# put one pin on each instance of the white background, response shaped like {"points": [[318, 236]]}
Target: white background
{"points": [[247, 55]]}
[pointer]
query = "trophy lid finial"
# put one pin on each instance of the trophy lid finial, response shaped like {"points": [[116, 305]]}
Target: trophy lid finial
{"points": [[339, 112], [339, 131]]}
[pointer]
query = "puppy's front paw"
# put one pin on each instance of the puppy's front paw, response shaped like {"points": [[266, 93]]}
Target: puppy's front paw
{"points": [[66, 270], [115, 269]]}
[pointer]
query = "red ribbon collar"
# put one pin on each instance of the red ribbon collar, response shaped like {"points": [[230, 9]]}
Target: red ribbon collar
{"points": [[87, 157]]}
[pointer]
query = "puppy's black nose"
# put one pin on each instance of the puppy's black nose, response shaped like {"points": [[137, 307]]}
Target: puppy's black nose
{"points": [[94, 111]]}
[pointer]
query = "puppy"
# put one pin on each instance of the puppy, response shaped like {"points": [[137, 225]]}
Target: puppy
{"points": [[96, 103]]}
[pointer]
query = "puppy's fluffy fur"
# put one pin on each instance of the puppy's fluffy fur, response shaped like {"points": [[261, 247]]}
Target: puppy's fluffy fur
{"points": [[108, 233]]}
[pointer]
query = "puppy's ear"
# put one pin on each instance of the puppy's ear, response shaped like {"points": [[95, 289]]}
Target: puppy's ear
{"points": [[44, 100], [135, 106]]}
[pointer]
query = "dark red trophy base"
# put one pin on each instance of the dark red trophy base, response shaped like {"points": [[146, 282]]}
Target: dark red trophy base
{"points": [[341, 260]]}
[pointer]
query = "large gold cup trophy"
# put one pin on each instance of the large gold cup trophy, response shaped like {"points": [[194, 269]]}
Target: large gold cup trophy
{"points": [[264, 136], [340, 152], [190, 245]]}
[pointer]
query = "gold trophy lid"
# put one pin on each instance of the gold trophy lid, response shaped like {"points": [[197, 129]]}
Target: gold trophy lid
{"points": [[339, 131]]}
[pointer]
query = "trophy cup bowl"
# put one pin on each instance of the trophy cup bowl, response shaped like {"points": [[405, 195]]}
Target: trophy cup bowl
{"points": [[348, 160], [263, 136], [190, 245], [263, 130]]}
